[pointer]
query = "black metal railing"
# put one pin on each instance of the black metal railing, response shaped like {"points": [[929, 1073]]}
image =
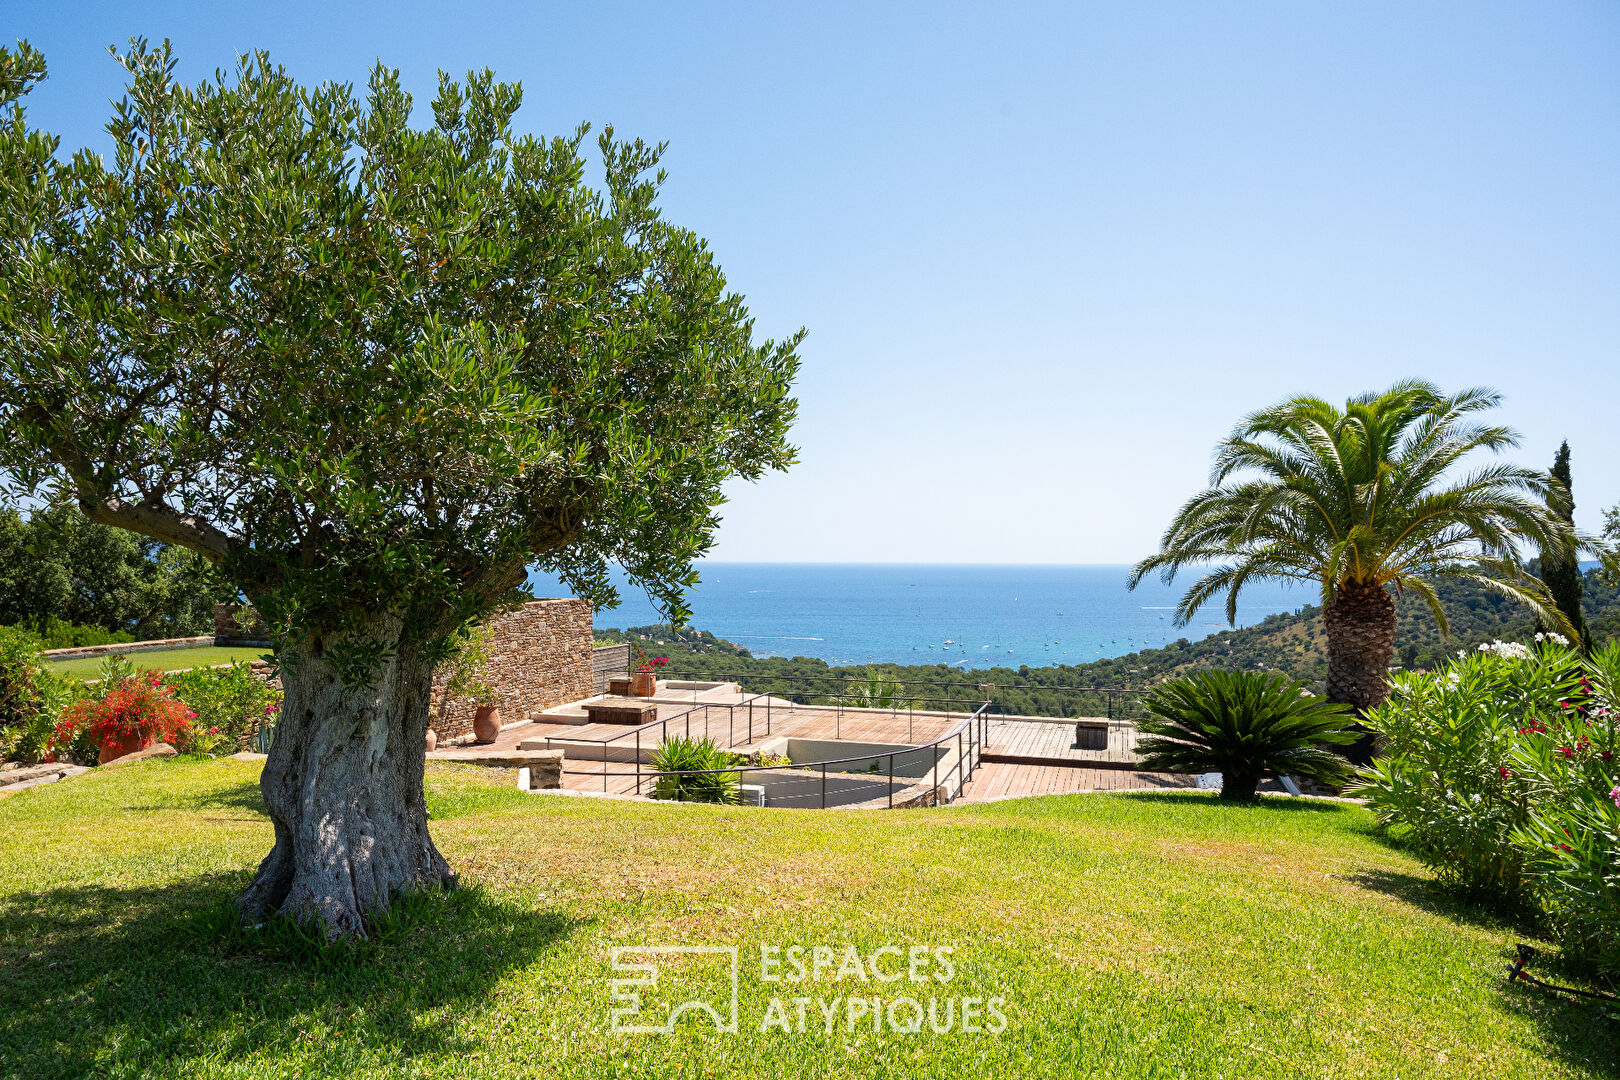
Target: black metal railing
{"points": [[967, 738], [1013, 699], [756, 722]]}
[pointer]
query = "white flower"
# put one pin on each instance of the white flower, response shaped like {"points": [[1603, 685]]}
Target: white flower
{"points": [[1510, 649]]}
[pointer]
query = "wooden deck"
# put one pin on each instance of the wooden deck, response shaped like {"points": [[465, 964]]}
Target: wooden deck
{"points": [[1022, 756], [995, 780], [1052, 742]]}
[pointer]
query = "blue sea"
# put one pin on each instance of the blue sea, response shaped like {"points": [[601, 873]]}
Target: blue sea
{"points": [[965, 616]]}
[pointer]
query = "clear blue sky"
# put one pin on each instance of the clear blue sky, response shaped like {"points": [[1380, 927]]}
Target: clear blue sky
{"points": [[1048, 253]]}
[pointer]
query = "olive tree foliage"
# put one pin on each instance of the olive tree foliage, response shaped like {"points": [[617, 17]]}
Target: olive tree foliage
{"points": [[368, 367], [373, 372]]}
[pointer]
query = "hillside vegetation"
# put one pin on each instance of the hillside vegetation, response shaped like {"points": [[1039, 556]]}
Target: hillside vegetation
{"points": [[1293, 644]]}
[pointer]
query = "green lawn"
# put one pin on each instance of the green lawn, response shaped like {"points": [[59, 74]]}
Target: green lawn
{"points": [[164, 660], [1156, 935]]}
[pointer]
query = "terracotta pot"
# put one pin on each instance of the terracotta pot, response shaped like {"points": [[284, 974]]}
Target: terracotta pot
{"points": [[486, 724], [643, 684], [432, 740], [130, 743]]}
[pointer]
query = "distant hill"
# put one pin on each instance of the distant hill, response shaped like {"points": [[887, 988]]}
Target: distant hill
{"points": [[1293, 644]]}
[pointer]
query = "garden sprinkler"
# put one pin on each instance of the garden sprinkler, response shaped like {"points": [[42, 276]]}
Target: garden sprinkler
{"points": [[1527, 955]]}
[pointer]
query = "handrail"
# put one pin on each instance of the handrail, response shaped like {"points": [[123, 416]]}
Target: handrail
{"points": [[665, 720], [847, 680], [1109, 693], [979, 716]]}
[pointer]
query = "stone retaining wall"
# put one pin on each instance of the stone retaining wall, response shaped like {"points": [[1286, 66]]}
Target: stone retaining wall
{"points": [[83, 652], [540, 657]]}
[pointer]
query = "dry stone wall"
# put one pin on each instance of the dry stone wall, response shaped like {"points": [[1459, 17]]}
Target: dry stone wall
{"points": [[540, 656]]}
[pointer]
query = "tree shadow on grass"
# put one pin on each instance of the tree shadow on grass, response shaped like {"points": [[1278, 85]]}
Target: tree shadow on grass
{"points": [[1431, 896], [138, 980], [1580, 1031], [245, 796]]}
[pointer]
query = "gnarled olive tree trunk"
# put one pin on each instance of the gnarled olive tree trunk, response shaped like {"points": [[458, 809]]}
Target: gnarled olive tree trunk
{"points": [[1360, 625], [343, 785]]}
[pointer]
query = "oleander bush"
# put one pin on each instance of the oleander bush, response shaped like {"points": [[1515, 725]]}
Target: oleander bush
{"points": [[1499, 771], [1571, 835]]}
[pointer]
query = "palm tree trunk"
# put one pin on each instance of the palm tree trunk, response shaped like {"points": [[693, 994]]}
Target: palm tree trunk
{"points": [[1360, 624]]}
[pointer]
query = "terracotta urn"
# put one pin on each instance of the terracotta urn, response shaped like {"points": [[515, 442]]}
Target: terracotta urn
{"points": [[432, 740], [486, 724], [643, 684], [128, 744]]}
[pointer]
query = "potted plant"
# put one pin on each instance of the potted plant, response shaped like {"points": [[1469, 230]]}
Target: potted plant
{"points": [[644, 683], [130, 715], [465, 679]]}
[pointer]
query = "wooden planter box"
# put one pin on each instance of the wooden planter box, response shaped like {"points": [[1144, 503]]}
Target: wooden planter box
{"points": [[621, 710]]}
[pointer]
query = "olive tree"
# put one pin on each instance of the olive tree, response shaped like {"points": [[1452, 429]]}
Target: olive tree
{"points": [[373, 371]]}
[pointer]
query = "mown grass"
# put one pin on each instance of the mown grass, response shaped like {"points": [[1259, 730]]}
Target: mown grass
{"points": [[163, 660], [1131, 936]]}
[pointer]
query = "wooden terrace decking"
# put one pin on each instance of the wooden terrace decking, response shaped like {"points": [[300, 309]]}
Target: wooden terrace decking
{"points": [[1022, 756]]}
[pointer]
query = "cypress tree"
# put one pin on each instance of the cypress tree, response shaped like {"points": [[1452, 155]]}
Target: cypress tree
{"points": [[1560, 569]]}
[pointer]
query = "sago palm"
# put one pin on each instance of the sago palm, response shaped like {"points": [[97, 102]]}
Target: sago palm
{"points": [[1362, 500], [1243, 725]]}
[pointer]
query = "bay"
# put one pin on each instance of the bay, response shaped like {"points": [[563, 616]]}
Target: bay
{"points": [[967, 616]]}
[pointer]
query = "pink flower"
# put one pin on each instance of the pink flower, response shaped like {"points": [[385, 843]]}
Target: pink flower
{"points": [[1615, 794]]}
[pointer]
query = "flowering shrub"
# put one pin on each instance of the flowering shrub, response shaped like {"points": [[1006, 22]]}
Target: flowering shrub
{"points": [[1571, 835], [649, 663], [1447, 778], [1499, 771], [230, 703], [31, 696], [142, 705]]}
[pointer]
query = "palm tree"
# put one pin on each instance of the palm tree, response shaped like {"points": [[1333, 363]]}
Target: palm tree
{"points": [[1360, 500]]}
